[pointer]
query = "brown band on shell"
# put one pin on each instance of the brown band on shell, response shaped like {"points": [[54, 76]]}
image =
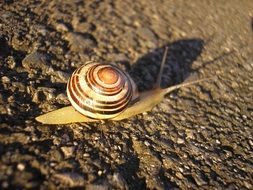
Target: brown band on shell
{"points": [[91, 82], [83, 95]]}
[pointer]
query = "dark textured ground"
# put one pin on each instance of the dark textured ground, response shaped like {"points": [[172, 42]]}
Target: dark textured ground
{"points": [[199, 137]]}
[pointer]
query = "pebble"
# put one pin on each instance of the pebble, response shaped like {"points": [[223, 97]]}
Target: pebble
{"points": [[118, 181], [68, 151], [100, 172], [41, 29], [62, 98], [61, 27], [189, 134], [38, 96], [180, 141], [19, 85], [35, 60], [9, 110], [86, 155], [62, 76], [81, 43], [179, 175], [198, 179], [5, 79], [2, 110], [65, 138], [97, 187], [248, 184], [11, 62], [251, 142], [20, 167], [19, 138], [71, 179], [56, 141], [146, 143], [49, 93], [81, 26], [244, 116], [146, 33], [168, 163]]}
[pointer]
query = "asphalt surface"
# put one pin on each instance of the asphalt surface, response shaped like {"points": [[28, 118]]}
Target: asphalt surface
{"points": [[199, 137]]}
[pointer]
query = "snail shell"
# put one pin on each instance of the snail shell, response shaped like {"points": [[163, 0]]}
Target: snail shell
{"points": [[101, 91]]}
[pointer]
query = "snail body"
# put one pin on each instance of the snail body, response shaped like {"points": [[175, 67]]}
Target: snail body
{"points": [[105, 92]]}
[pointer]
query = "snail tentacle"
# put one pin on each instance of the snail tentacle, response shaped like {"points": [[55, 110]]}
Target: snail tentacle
{"points": [[159, 76]]}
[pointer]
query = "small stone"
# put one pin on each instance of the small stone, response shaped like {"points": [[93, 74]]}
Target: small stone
{"points": [[168, 163], [100, 172], [97, 187], [251, 142], [9, 110], [20, 167], [227, 49], [118, 181], [180, 141], [38, 96], [61, 76], [181, 170], [65, 138], [79, 25], [18, 43], [248, 184], [189, 134], [5, 79], [19, 137], [68, 151], [189, 22], [146, 34], [35, 60], [199, 179], [19, 85], [61, 27], [234, 84], [179, 175], [71, 179], [41, 29], [146, 143], [80, 42], [56, 141], [62, 98], [244, 116], [11, 62], [49, 93], [86, 155]]}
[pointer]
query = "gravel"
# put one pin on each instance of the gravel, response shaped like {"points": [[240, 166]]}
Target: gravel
{"points": [[199, 137]]}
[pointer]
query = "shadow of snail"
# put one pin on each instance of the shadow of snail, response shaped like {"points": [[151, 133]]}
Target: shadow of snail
{"points": [[104, 92]]}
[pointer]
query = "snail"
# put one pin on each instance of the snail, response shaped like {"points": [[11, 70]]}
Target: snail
{"points": [[104, 92]]}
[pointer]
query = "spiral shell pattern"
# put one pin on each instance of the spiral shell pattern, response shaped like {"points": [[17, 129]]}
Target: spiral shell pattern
{"points": [[100, 91]]}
